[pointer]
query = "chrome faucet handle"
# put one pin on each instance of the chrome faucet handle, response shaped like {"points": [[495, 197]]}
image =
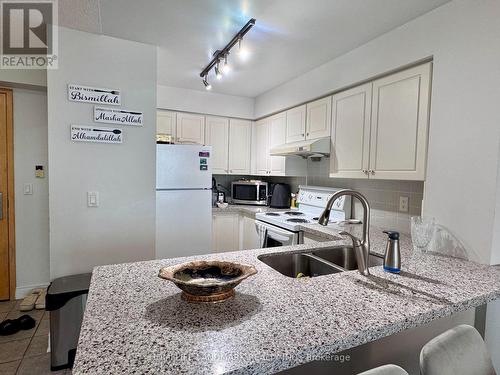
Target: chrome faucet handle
{"points": [[361, 252], [355, 240]]}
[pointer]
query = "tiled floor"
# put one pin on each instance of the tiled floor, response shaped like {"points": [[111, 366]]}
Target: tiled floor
{"points": [[25, 353]]}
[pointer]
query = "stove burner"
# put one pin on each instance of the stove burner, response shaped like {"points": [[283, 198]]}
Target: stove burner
{"points": [[272, 214], [297, 220], [294, 213]]}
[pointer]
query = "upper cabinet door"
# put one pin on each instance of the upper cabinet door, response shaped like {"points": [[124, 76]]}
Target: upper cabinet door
{"points": [[277, 136], [240, 138], [400, 117], [296, 124], [351, 132], [261, 149], [190, 128], [217, 136], [166, 122], [319, 118]]}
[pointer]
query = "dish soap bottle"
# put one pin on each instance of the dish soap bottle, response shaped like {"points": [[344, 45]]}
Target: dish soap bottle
{"points": [[392, 258]]}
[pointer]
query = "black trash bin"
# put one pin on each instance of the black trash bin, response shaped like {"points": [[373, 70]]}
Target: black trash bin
{"points": [[66, 299]]}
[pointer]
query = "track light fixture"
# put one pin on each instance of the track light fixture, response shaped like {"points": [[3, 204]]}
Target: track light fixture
{"points": [[218, 72], [226, 68], [208, 86], [222, 54]]}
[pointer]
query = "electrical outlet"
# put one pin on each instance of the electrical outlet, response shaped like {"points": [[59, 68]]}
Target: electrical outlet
{"points": [[92, 199], [403, 204]]}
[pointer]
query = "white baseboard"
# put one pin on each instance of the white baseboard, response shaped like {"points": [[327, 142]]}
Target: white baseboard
{"points": [[23, 291]]}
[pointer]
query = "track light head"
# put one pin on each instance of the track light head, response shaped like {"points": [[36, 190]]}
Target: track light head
{"points": [[208, 86], [218, 72], [226, 68], [242, 51]]}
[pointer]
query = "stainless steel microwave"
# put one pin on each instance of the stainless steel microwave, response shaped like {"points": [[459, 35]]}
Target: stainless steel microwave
{"points": [[253, 192]]}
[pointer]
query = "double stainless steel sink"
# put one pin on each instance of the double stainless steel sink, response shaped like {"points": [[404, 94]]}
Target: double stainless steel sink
{"points": [[317, 262]]}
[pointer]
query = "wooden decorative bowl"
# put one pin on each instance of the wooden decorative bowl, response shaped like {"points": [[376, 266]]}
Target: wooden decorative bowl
{"points": [[207, 281]]}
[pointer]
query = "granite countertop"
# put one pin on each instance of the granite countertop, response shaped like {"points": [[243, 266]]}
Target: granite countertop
{"points": [[246, 209], [137, 323]]}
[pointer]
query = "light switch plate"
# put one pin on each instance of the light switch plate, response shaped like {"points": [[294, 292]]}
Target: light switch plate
{"points": [[92, 199], [28, 189], [403, 204]]}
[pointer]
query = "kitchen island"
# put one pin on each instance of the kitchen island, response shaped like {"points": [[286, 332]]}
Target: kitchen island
{"points": [[136, 322]]}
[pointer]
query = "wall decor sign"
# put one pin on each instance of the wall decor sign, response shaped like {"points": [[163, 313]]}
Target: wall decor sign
{"points": [[78, 93], [117, 116], [95, 134]]}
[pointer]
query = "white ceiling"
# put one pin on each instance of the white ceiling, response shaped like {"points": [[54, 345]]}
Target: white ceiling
{"points": [[290, 36]]}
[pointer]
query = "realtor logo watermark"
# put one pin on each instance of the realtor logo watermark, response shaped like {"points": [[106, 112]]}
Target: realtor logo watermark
{"points": [[29, 34]]}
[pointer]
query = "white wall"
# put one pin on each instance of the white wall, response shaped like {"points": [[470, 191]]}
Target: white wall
{"points": [[19, 77], [179, 99], [462, 36], [32, 211], [122, 229]]}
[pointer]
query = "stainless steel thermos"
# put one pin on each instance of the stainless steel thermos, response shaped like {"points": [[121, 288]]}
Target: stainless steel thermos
{"points": [[392, 258]]}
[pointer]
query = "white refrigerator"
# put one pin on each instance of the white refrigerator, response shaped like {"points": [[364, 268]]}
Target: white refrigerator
{"points": [[183, 200]]}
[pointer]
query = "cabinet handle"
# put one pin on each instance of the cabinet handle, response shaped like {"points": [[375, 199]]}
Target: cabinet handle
{"points": [[303, 134], [308, 134], [364, 171], [371, 171]]}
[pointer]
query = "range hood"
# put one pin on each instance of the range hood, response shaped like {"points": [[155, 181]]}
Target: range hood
{"points": [[314, 148]]}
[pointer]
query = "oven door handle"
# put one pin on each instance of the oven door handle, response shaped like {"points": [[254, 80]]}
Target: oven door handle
{"points": [[276, 236]]}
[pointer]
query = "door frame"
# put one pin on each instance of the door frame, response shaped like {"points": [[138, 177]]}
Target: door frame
{"points": [[10, 193]]}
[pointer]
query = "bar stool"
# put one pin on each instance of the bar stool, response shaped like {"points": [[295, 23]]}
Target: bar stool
{"points": [[458, 351], [385, 370]]}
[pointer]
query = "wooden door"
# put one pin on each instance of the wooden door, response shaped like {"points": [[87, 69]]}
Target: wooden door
{"points": [[190, 128], [319, 118], [400, 121], [277, 137], [240, 141], [7, 260], [261, 147], [217, 136], [351, 132], [296, 124]]}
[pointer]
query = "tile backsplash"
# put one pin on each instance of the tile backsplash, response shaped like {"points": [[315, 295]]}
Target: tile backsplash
{"points": [[383, 195]]}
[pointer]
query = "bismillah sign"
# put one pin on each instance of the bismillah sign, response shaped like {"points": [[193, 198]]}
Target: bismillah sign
{"points": [[118, 116], [95, 134], [78, 93]]}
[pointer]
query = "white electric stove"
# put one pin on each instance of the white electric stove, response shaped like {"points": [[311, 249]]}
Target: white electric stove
{"points": [[282, 228]]}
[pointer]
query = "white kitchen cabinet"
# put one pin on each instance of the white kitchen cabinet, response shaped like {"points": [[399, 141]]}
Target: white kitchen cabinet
{"points": [[277, 137], [351, 133], [260, 153], [217, 136], [190, 128], [249, 238], [270, 132], [240, 141], [318, 122], [400, 118], [380, 129], [225, 232], [166, 122], [296, 124]]}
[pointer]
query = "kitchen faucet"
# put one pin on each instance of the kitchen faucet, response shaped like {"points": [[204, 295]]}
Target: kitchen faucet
{"points": [[361, 247]]}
